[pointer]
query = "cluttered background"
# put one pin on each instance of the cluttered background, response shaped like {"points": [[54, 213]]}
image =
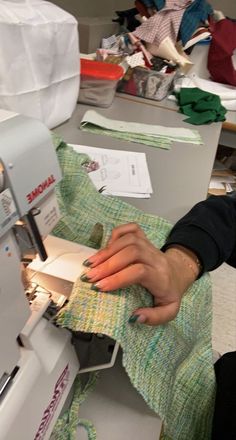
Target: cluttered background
{"points": [[100, 8]]}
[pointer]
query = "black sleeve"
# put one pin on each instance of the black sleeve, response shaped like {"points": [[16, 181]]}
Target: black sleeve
{"points": [[209, 230]]}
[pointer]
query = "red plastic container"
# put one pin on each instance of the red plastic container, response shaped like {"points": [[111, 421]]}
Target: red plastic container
{"points": [[98, 82]]}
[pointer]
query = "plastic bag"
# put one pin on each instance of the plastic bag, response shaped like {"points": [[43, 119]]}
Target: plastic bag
{"points": [[39, 69]]}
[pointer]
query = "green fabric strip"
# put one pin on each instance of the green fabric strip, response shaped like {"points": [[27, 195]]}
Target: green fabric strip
{"points": [[170, 365], [148, 134], [130, 137], [66, 426]]}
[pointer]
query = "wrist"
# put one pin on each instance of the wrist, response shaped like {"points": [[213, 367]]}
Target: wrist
{"points": [[185, 266]]}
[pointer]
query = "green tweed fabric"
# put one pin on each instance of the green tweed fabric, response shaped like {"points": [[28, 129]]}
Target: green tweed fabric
{"points": [[143, 134], [66, 426], [170, 365], [130, 137]]}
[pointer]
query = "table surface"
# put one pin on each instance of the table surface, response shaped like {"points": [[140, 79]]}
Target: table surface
{"points": [[180, 176], [199, 58], [117, 410]]}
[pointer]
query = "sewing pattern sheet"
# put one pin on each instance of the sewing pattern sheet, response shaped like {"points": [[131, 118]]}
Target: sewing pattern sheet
{"points": [[121, 173]]}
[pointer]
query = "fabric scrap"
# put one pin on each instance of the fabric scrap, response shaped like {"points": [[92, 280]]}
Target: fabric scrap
{"points": [[226, 93], [66, 426], [201, 107], [135, 60], [196, 13], [222, 47], [163, 24], [170, 365], [148, 134]]}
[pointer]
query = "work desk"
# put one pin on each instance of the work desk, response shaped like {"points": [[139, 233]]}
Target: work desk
{"points": [[179, 176], [199, 57], [117, 410]]}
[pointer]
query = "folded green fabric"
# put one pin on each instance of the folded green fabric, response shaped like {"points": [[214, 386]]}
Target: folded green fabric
{"points": [[170, 365], [201, 107]]}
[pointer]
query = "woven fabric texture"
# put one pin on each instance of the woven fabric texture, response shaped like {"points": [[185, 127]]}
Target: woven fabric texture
{"points": [[67, 425], [170, 365], [163, 24]]}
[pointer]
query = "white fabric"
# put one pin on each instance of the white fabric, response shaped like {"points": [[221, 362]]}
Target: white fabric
{"points": [[226, 92], [39, 68], [135, 60]]}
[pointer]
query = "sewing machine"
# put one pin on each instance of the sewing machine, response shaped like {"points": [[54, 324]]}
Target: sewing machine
{"points": [[38, 362]]}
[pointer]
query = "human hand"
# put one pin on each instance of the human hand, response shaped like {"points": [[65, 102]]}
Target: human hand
{"points": [[130, 258]]}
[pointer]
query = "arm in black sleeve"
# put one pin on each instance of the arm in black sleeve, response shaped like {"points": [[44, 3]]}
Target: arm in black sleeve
{"points": [[209, 230]]}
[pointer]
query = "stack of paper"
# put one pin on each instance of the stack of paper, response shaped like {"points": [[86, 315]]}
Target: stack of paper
{"points": [[120, 173]]}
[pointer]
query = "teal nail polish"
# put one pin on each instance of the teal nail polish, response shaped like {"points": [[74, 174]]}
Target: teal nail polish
{"points": [[87, 263], [95, 287], [84, 277], [133, 319]]}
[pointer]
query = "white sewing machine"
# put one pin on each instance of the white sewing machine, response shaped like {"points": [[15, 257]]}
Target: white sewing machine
{"points": [[38, 362]]}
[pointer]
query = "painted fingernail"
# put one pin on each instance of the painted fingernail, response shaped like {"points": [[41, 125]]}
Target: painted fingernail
{"points": [[95, 287], [141, 319], [84, 277], [87, 263], [133, 318]]}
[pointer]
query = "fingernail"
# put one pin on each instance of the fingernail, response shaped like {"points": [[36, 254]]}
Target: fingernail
{"points": [[87, 263], [84, 277], [95, 287], [141, 319], [132, 319]]}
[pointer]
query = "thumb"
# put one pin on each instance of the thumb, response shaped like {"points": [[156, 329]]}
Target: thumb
{"points": [[155, 315]]}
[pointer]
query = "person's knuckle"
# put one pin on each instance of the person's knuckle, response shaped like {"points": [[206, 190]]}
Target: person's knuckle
{"points": [[163, 271], [141, 271], [134, 251], [115, 280], [135, 226]]}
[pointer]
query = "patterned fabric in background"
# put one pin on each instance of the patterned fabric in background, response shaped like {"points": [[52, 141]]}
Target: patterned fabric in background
{"points": [[163, 24], [170, 365], [194, 15]]}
